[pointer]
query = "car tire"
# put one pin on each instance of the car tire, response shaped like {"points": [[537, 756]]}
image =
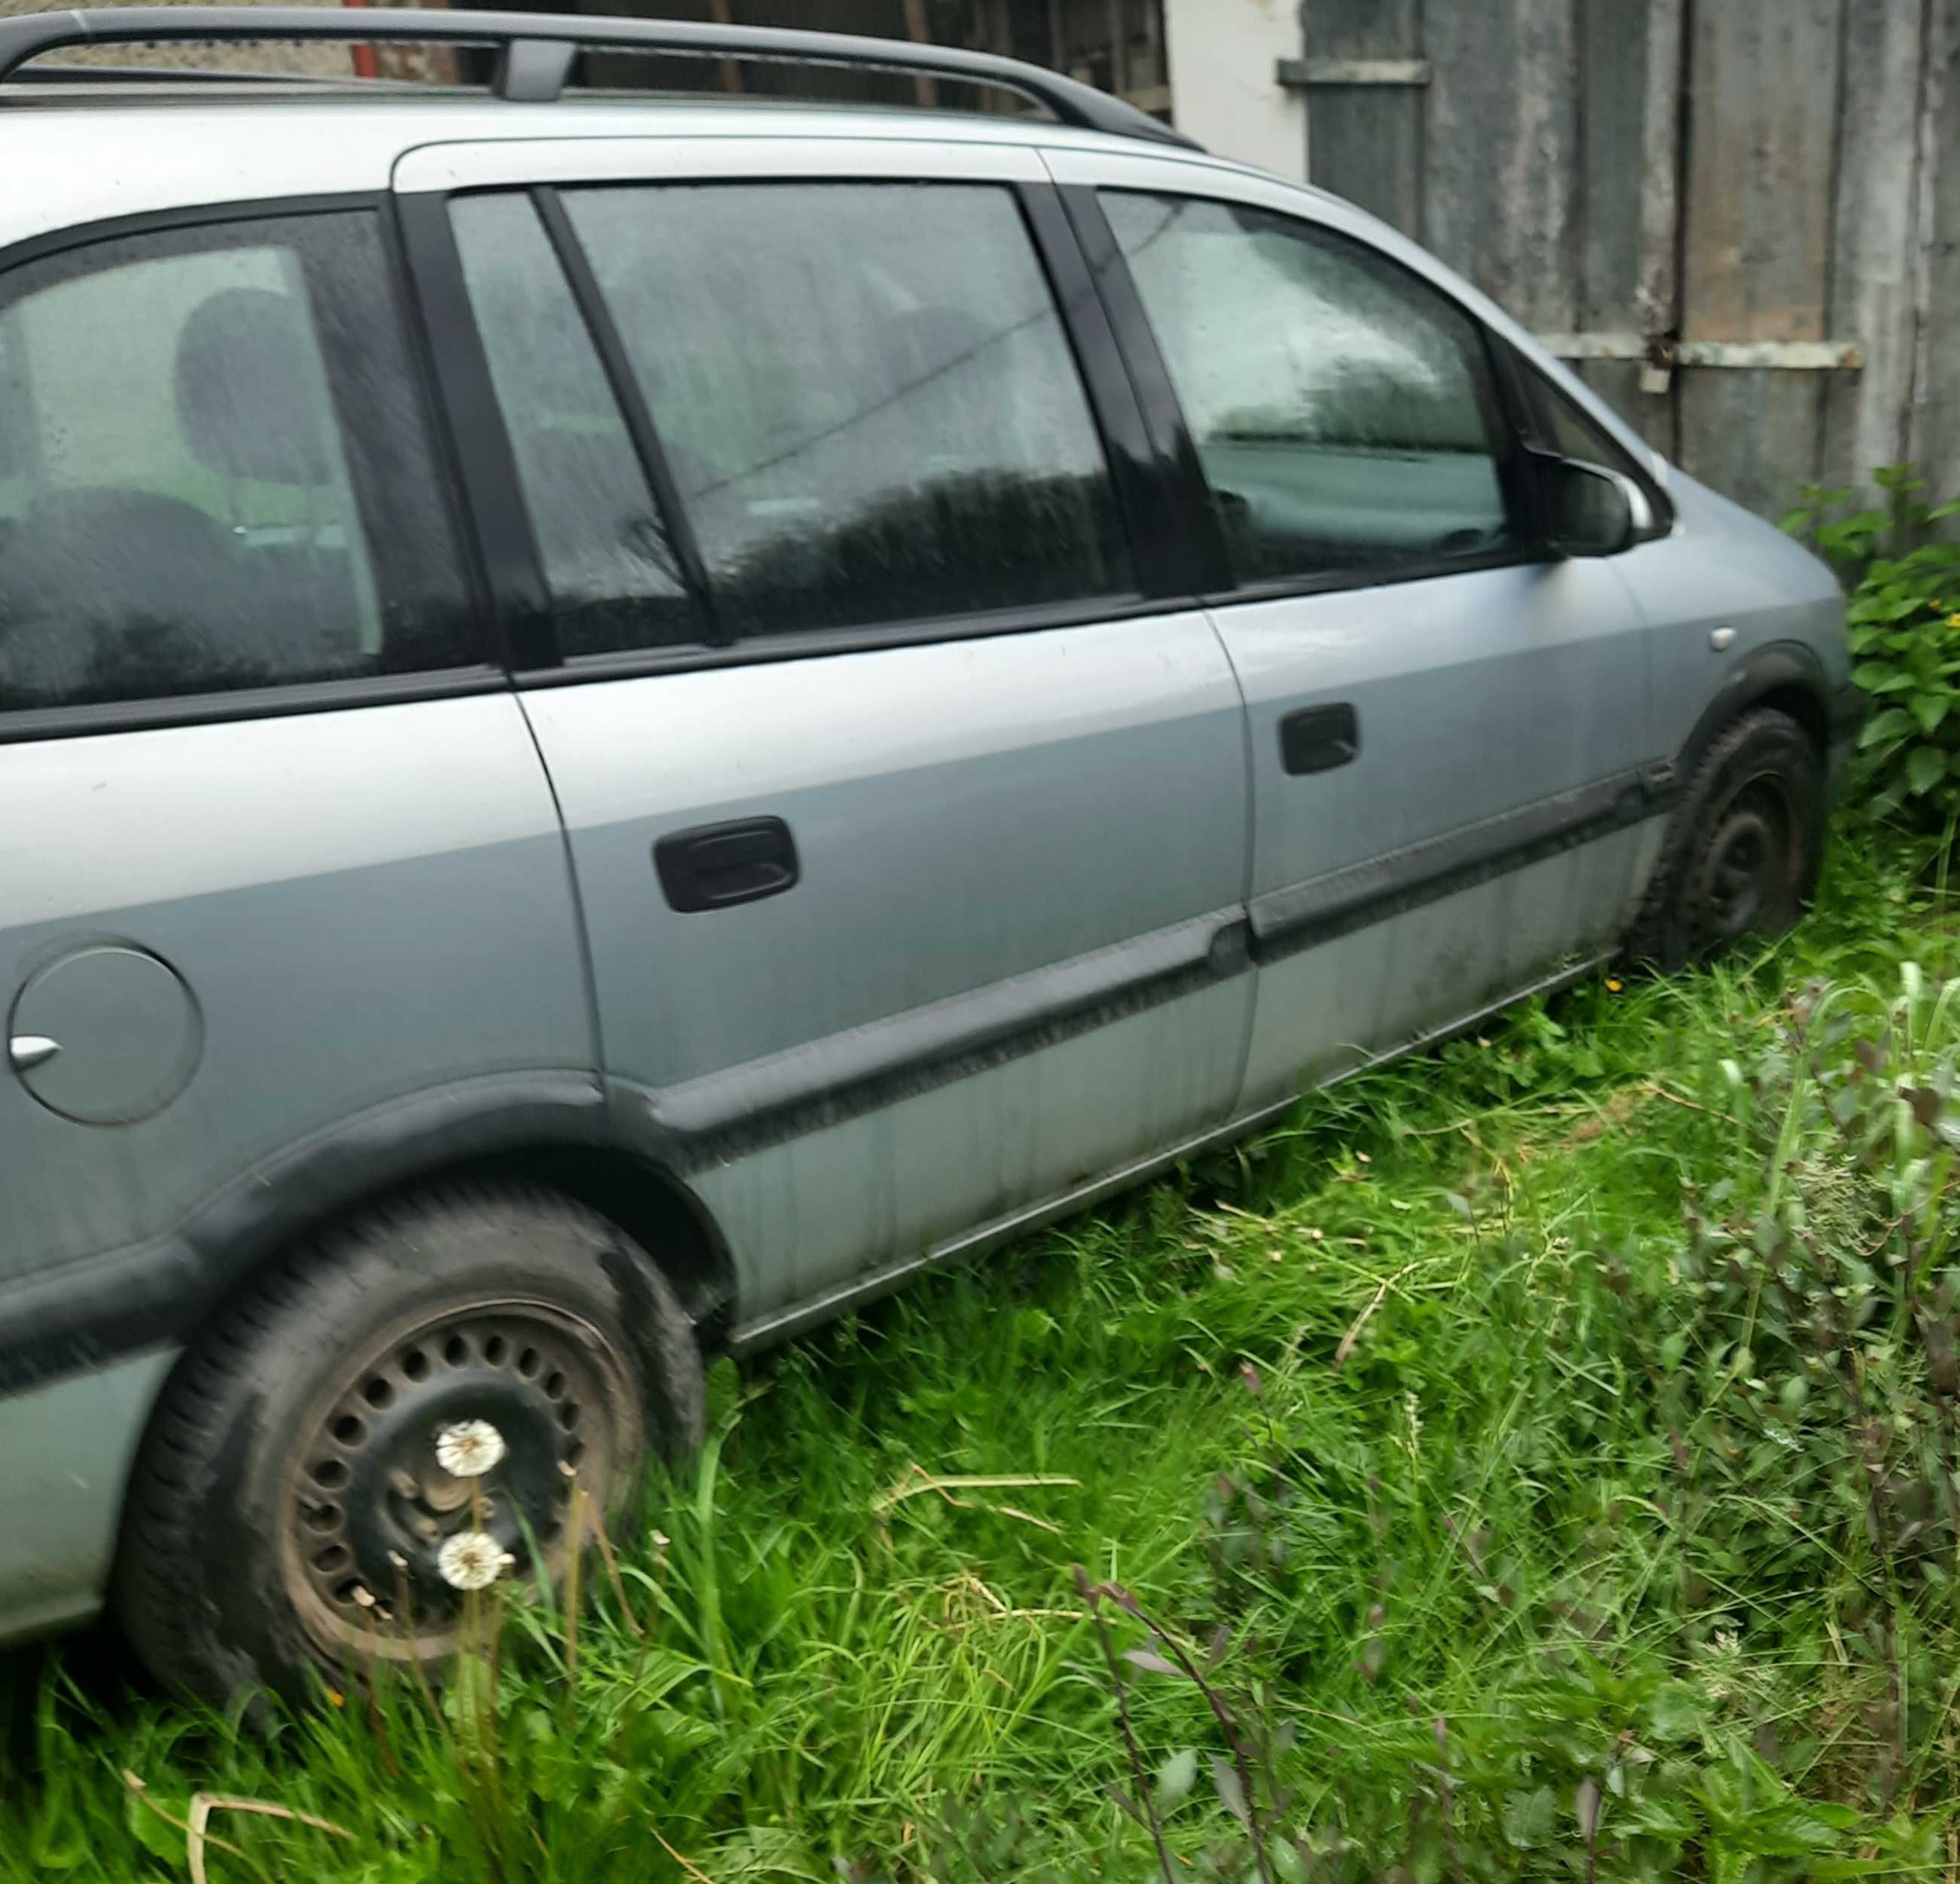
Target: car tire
{"points": [[287, 1514], [1741, 852]]}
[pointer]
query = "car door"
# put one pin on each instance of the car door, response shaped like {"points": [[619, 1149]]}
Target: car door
{"points": [[908, 806], [279, 859], [1448, 726]]}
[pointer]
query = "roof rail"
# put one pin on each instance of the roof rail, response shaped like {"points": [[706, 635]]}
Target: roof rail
{"points": [[536, 50]]}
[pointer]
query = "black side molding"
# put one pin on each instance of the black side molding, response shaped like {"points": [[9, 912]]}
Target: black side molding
{"points": [[1303, 914]]}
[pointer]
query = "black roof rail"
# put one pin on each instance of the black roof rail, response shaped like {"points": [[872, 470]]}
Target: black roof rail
{"points": [[536, 49]]}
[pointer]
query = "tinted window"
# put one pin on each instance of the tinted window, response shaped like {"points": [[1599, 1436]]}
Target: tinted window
{"points": [[611, 570], [1341, 406], [866, 396], [200, 433]]}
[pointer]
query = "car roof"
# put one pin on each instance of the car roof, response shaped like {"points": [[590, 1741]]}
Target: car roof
{"points": [[84, 152]]}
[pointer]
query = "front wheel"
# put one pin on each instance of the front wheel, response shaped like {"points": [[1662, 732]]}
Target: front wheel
{"points": [[398, 1415], [1742, 854]]}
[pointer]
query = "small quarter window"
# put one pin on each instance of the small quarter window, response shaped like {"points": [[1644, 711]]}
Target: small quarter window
{"points": [[1559, 424], [201, 433], [608, 561], [1341, 407]]}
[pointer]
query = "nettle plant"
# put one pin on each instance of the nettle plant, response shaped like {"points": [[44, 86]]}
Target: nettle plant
{"points": [[1904, 621]]}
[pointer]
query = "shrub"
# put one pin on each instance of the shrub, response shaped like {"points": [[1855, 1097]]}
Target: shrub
{"points": [[1904, 623]]}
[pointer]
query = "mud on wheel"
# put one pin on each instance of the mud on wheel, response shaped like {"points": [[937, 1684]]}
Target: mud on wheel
{"points": [[396, 1416]]}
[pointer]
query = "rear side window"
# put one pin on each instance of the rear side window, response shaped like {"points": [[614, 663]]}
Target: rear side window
{"points": [[866, 396], [1342, 409], [214, 472]]}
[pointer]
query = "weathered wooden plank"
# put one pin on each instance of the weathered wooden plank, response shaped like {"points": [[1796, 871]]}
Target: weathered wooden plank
{"points": [[1502, 151], [1618, 46], [1874, 239], [1365, 143], [1933, 434], [1762, 115]]}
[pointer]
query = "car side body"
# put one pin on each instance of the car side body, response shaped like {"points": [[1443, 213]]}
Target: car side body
{"points": [[813, 952]]}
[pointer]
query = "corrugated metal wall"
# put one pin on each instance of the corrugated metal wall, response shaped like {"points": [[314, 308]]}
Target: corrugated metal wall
{"points": [[1637, 173]]}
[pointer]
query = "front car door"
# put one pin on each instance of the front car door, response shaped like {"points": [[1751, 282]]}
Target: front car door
{"points": [[1448, 726], [907, 802]]}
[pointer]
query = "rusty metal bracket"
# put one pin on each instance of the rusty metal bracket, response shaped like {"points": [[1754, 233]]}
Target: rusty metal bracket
{"points": [[1659, 355]]}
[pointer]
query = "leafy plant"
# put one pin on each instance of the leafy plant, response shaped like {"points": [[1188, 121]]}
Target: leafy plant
{"points": [[1904, 621]]}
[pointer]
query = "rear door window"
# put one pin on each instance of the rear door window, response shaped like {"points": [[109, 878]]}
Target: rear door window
{"points": [[1342, 408], [864, 393], [215, 470]]}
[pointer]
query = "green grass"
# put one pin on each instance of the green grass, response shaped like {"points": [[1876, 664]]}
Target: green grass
{"points": [[1562, 1568]]}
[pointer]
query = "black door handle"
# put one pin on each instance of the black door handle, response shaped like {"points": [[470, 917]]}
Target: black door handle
{"points": [[716, 866], [1317, 739]]}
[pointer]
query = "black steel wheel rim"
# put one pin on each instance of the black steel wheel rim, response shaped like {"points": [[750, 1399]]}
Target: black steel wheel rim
{"points": [[371, 1506], [1747, 866]]}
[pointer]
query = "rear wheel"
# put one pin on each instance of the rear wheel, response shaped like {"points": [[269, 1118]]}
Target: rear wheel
{"points": [[398, 1414], [1742, 855]]}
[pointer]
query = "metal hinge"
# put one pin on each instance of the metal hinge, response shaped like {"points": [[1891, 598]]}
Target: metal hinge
{"points": [[1297, 74]]}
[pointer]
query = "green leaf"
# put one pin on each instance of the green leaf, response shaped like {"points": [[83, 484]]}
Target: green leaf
{"points": [[155, 1835], [1925, 766], [1530, 1817], [1929, 709], [1175, 1777], [1667, 1818], [1894, 723], [1876, 676], [1676, 1711], [1231, 1794]]}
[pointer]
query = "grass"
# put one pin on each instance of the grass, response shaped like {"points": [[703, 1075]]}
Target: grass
{"points": [[1513, 1522]]}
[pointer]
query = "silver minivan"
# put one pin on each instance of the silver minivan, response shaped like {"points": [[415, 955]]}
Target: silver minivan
{"points": [[625, 719]]}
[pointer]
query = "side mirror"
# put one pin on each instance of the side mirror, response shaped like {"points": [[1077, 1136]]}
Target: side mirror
{"points": [[1591, 511]]}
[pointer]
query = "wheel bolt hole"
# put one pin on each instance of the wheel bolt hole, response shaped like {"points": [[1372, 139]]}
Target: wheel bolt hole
{"points": [[331, 1560], [377, 1393], [329, 1475], [494, 1349], [456, 1350], [416, 1364], [325, 1517], [350, 1429], [528, 1362], [554, 1385], [349, 1591], [574, 1453], [567, 1415]]}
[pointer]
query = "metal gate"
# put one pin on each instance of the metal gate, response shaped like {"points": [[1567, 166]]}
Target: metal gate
{"points": [[1741, 218]]}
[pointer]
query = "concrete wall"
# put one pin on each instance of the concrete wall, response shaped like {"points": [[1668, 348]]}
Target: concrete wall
{"points": [[1223, 57]]}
